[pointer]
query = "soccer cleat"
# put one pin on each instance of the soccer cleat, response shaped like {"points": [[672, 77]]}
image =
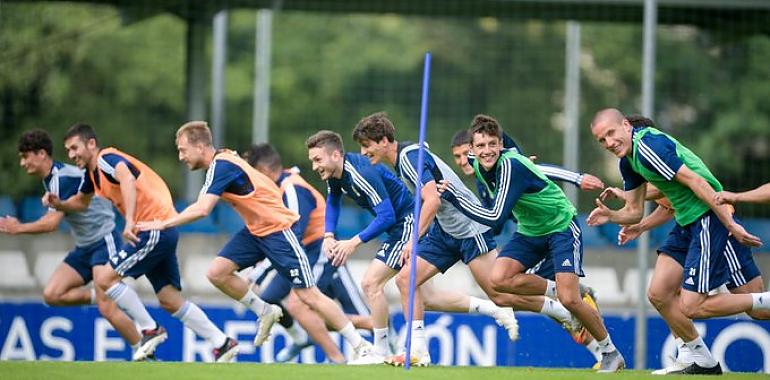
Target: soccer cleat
{"points": [[416, 360], [266, 322], [504, 317], [695, 369], [151, 339], [226, 353], [675, 368], [292, 351], [612, 362], [364, 354]]}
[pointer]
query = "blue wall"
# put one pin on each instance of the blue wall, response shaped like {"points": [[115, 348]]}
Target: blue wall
{"points": [[34, 331]]}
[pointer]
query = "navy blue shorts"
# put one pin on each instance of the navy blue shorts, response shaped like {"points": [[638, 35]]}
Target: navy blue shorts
{"points": [[544, 269], [282, 248], [334, 282], [725, 261], [154, 257], [565, 249], [390, 251], [442, 250], [83, 259]]}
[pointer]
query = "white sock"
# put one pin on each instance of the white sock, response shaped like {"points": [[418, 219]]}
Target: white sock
{"points": [[478, 305], [135, 347], [419, 345], [128, 301], [351, 335], [381, 346], [297, 333], [606, 346], [683, 355], [556, 310], [196, 320], [254, 303], [93, 296], [595, 350], [760, 301], [550, 289], [700, 353]]}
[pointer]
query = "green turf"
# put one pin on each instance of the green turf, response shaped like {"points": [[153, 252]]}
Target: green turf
{"points": [[193, 371]]}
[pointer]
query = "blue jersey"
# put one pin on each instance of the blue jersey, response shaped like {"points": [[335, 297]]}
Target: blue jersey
{"points": [[657, 153], [90, 225], [373, 188]]}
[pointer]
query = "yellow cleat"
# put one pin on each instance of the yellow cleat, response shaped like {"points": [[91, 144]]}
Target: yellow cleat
{"points": [[416, 359]]}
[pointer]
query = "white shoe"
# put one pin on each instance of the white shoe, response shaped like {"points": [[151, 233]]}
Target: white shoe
{"points": [[365, 355], [504, 317], [266, 322], [675, 368]]}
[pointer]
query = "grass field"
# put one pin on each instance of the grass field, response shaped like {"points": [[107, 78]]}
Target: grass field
{"points": [[193, 371]]}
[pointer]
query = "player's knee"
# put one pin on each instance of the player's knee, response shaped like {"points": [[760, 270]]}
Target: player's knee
{"points": [[104, 280], [52, 296], [570, 301], [371, 287], [402, 281], [658, 299], [498, 283], [106, 308], [216, 275]]}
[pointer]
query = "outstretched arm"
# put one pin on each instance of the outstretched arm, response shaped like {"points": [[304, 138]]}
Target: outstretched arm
{"points": [[759, 195]]}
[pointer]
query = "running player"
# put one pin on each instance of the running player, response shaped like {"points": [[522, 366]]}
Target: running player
{"points": [[92, 230], [546, 228], [745, 276], [139, 194], [463, 157], [699, 239], [267, 234], [335, 282], [375, 189]]}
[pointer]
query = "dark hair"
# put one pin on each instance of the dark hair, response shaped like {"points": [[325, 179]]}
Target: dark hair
{"points": [[263, 155], [639, 121], [325, 139], [82, 130], [374, 127], [35, 140], [462, 137], [486, 125]]}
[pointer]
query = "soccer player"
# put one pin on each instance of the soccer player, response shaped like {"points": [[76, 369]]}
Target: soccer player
{"points": [[375, 189], [267, 234], [462, 155], [335, 282], [92, 230], [699, 239], [546, 229], [139, 194], [452, 238], [745, 276]]}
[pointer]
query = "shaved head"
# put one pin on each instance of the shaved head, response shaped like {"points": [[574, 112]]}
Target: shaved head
{"points": [[608, 115]]}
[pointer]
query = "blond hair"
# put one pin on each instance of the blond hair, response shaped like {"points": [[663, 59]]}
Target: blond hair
{"points": [[197, 132]]}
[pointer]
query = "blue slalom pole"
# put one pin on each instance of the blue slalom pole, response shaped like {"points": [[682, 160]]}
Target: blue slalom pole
{"points": [[417, 205]]}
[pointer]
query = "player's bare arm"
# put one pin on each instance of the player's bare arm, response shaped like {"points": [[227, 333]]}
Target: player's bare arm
{"points": [[200, 209], [759, 195], [703, 190], [128, 190], [47, 223]]}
